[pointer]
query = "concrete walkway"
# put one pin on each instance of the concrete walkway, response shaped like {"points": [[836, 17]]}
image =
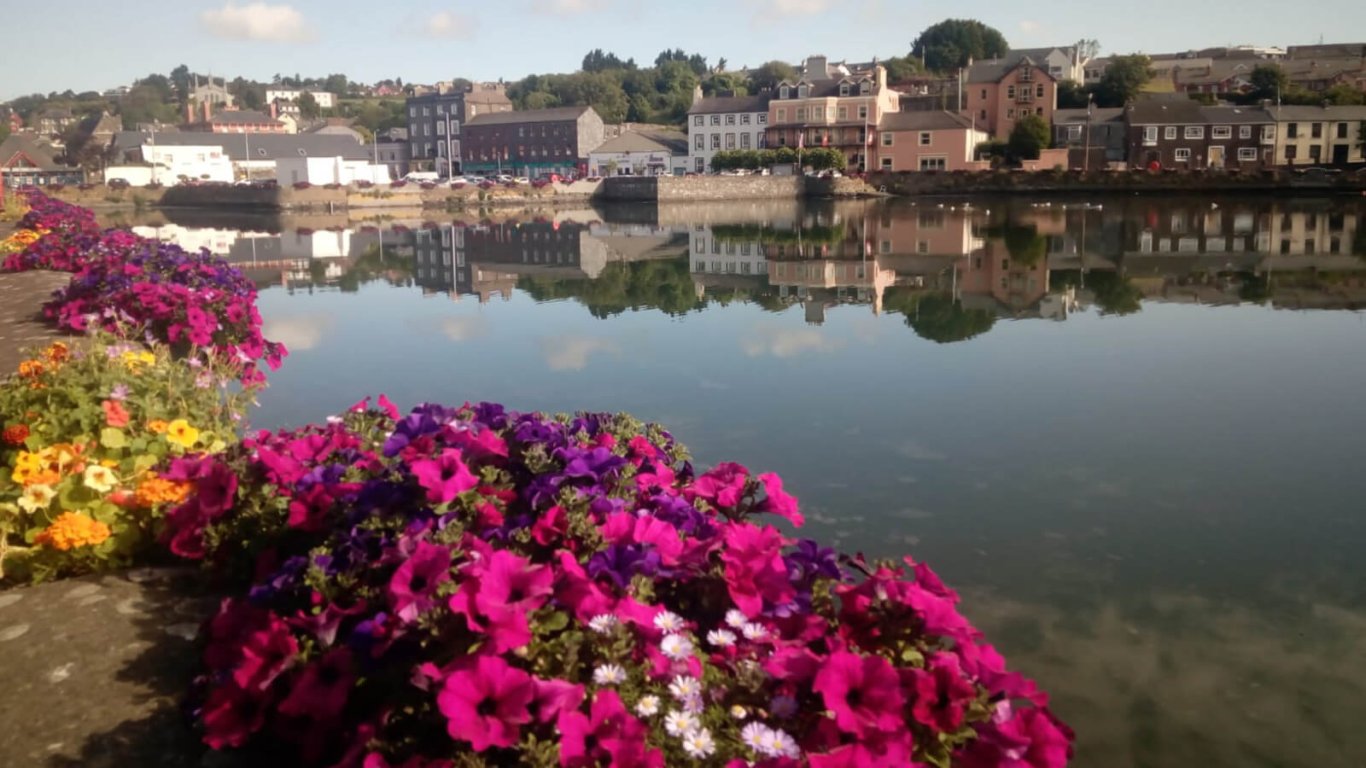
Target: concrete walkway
{"points": [[21, 324]]}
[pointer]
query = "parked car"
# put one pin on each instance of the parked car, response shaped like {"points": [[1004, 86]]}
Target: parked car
{"points": [[520, 180], [117, 184], [501, 178]]}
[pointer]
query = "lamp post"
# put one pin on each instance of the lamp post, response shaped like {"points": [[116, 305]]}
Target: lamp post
{"points": [[1086, 151]]}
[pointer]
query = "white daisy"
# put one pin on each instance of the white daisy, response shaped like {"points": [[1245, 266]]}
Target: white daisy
{"points": [[679, 723], [753, 631], [699, 743], [783, 745], [609, 674], [648, 706], [693, 704], [738, 712], [676, 647], [757, 736], [684, 687], [721, 638], [668, 621], [735, 619], [602, 623]]}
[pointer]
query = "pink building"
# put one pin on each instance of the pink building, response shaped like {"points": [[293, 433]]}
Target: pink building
{"points": [[927, 141], [826, 108], [998, 92]]}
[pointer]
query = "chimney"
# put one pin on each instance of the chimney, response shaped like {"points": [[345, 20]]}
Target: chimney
{"points": [[189, 112], [208, 110], [697, 93], [274, 111]]}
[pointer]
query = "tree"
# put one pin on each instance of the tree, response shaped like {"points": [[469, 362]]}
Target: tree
{"points": [[938, 317], [1029, 136], [951, 43], [1268, 82], [902, 68], [769, 74], [337, 84], [1124, 77], [824, 159], [1071, 95], [727, 82], [1344, 95], [308, 106], [598, 61], [696, 62], [180, 79]]}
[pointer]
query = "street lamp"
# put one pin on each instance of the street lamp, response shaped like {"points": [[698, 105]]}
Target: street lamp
{"points": [[1086, 152]]}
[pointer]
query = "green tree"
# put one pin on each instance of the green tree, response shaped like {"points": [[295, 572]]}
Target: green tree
{"points": [[951, 43], [308, 106], [181, 81], [1023, 242], [938, 317], [727, 82], [824, 159], [769, 74], [1124, 77], [336, 84], [597, 60], [1029, 136], [4, 130], [1115, 295], [146, 104], [902, 68], [1344, 95], [1268, 82], [1071, 95]]}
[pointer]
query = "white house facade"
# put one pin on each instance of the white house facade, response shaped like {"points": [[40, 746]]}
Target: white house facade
{"points": [[325, 99], [719, 123]]}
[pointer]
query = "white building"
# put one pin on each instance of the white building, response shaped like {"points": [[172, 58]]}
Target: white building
{"points": [[325, 99], [329, 170], [718, 123], [641, 153], [168, 165]]}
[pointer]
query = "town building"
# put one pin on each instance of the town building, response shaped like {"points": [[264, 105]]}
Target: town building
{"points": [[54, 121], [235, 121], [1326, 135], [325, 99], [717, 123], [329, 170], [23, 163], [641, 153], [435, 120], [394, 155], [840, 113], [1095, 139], [927, 141], [170, 164], [212, 94], [999, 92], [1181, 133], [252, 155], [532, 142], [1062, 63]]}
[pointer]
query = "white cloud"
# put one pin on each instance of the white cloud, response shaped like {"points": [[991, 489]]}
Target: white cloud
{"points": [[571, 353], [793, 7], [297, 332], [257, 21], [446, 25], [568, 7], [786, 342], [464, 327], [1029, 25]]}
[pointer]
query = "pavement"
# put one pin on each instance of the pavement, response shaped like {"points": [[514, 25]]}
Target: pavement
{"points": [[21, 324]]}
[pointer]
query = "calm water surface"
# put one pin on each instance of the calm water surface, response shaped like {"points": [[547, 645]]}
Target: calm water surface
{"points": [[1129, 431]]}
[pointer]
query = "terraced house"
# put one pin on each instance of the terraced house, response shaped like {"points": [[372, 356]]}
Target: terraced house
{"points": [[533, 142], [841, 112], [724, 122], [1181, 133], [1313, 136]]}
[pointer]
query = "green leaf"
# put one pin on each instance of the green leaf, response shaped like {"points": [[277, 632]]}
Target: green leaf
{"points": [[112, 438]]}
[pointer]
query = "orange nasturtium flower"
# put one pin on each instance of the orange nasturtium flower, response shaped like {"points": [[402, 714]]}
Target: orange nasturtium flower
{"points": [[115, 415], [157, 426], [31, 369], [57, 353], [154, 490], [71, 530], [15, 435]]}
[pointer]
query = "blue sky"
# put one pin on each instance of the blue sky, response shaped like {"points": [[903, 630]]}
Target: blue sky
{"points": [[99, 45]]}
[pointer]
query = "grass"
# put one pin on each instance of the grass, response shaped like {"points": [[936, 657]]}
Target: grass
{"points": [[13, 209]]}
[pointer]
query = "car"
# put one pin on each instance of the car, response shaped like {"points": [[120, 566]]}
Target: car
{"points": [[520, 180], [117, 184], [501, 178]]}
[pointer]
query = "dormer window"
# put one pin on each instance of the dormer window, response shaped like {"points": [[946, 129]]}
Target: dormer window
{"points": [[783, 92], [803, 91], [864, 87], [844, 89]]}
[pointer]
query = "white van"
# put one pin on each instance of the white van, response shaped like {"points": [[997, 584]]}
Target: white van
{"points": [[421, 176]]}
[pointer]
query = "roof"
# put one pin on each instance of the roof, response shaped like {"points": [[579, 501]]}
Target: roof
{"points": [[821, 89], [487, 96], [336, 130], [1040, 53], [18, 144], [1096, 115], [1166, 112], [552, 115], [264, 146], [241, 117], [638, 141], [923, 121], [713, 105], [992, 70], [1317, 113], [1235, 115]]}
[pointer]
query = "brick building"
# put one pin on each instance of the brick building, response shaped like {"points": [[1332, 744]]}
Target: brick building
{"points": [[532, 142]]}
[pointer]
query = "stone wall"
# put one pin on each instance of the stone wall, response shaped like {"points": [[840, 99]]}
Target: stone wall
{"points": [[968, 183], [674, 189]]}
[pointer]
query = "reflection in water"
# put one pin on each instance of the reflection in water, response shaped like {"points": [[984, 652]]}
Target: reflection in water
{"points": [[1150, 500]]}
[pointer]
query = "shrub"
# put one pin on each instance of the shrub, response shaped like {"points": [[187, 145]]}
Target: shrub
{"points": [[84, 428], [469, 586]]}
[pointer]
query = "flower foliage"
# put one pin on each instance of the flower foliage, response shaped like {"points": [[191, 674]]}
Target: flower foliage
{"points": [[134, 286], [83, 428], [471, 586]]}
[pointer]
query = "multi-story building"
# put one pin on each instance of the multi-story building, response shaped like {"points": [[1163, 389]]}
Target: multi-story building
{"points": [[1094, 137], [532, 142], [718, 123], [325, 99], [1180, 133], [837, 112], [1062, 62], [926, 141], [435, 120], [53, 122], [999, 92], [1327, 135], [237, 121]]}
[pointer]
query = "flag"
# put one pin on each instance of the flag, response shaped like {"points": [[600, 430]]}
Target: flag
{"points": [[801, 139]]}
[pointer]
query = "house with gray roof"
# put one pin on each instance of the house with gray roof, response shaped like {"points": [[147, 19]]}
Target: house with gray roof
{"points": [[532, 142], [24, 162], [1095, 138], [724, 121], [641, 153]]}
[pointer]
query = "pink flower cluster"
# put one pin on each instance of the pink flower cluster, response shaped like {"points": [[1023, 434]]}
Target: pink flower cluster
{"points": [[130, 285], [422, 589]]}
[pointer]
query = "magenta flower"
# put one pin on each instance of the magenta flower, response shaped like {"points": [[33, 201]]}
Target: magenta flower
{"points": [[554, 698], [486, 703], [413, 586], [510, 584], [863, 692], [942, 694], [779, 502], [724, 486], [231, 715], [609, 736], [755, 571], [445, 477], [321, 691], [265, 654]]}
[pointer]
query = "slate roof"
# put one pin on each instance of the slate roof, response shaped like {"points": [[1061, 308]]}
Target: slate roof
{"points": [[1235, 115], [638, 141], [18, 144], [923, 121], [264, 146], [241, 117], [1307, 113], [714, 105], [552, 115], [992, 70], [824, 89], [1098, 115], [1166, 112]]}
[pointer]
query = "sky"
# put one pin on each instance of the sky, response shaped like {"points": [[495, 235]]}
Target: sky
{"points": [[103, 44]]}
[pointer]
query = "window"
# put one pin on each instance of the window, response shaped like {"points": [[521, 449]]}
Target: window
{"points": [[426, 112], [801, 114], [1169, 133], [1315, 153], [744, 119], [730, 119], [1316, 130], [763, 141], [1244, 131], [744, 141], [698, 120], [1038, 90], [1073, 132], [863, 112], [1342, 130], [699, 165], [1010, 114], [1246, 154], [1221, 132], [1195, 132], [865, 87], [699, 141], [818, 113], [1010, 91], [843, 113], [886, 163], [763, 118], [716, 141], [412, 111], [982, 115], [937, 163], [730, 141], [1292, 131], [984, 94], [922, 247], [783, 92], [715, 119], [782, 115], [803, 91], [440, 129], [886, 139], [844, 89], [1268, 134], [1183, 155], [925, 138]]}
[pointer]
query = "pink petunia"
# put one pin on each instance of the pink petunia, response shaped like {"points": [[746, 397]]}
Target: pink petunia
{"points": [[413, 586], [486, 702], [863, 693], [321, 691], [779, 502], [607, 736], [445, 477]]}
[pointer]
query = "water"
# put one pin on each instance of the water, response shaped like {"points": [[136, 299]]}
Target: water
{"points": [[1129, 431]]}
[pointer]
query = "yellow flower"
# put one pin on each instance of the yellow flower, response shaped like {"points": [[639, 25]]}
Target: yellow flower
{"points": [[100, 479], [136, 361], [157, 490], [57, 353], [71, 530], [157, 426], [37, 498], [181, 433]]}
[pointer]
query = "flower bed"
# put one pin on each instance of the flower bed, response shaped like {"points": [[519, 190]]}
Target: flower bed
{"points": [[477, 587], [85, 428]]}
